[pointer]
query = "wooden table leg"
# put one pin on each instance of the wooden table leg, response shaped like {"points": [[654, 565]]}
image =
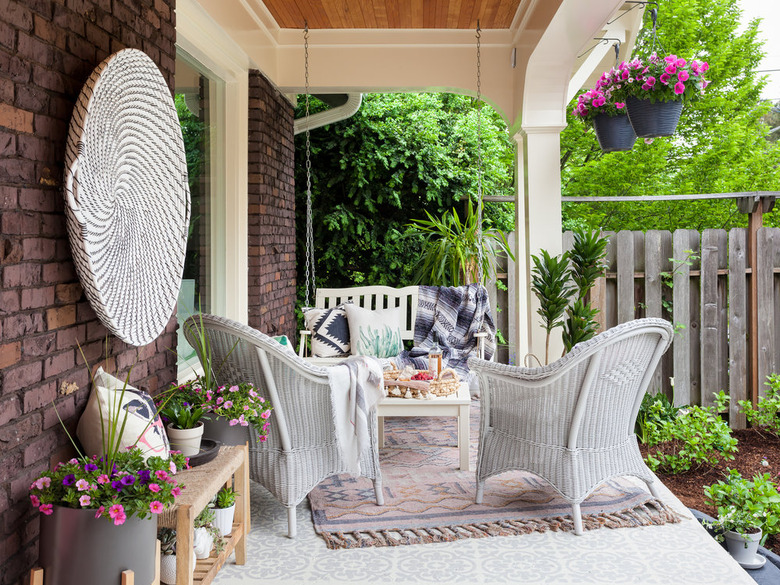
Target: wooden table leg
{"points": [[36, 576], [128, 577], [184, 551], [242, 506]]}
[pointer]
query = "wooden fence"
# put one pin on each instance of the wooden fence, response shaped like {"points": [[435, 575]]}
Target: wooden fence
{"points": [[700, 283]]}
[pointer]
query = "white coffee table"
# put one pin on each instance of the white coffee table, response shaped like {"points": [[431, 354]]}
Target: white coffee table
{"points": [[456, 405]]}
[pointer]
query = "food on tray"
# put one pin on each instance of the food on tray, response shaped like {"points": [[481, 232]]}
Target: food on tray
{"points": [[423, 376]]}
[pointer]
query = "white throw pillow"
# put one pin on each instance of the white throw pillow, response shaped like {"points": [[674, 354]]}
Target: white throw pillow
{"points": [[375, 333], [140, 409]]}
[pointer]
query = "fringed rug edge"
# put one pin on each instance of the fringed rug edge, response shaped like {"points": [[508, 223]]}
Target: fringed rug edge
{"points": [[653, 512]]}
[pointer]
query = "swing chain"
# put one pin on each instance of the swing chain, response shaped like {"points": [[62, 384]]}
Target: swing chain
{"points": [[479, 158], [309, 228]]}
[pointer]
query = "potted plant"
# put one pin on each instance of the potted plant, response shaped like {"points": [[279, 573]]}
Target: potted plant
{"points": [[453, 249], [748, 512], [607, 115], [233, 408], [654, 90], [224, 510], [106, 505], [207, 535], [167, 538], [181, 413]]}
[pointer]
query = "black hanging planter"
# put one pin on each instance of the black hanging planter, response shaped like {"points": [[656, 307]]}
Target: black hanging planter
{"points": [[653, 119], [614, 132]]}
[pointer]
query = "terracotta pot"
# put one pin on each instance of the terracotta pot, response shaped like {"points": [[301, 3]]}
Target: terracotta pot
{"points": [[76, 547]]}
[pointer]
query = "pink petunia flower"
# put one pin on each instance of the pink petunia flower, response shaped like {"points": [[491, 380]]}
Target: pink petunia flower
{"points": [[172, 467], [220, 400], [100, 511], [263, 438], [102, 479], [156, 507], [119, 519], [233, 389], [233, 422], [160, 474], [670, 69], [265, 414], [620, 105], [34, 501], [664, 78], [43, 482], [683, 75], [46, 509], [228, 404], [116, 510], [266, 426], [679, 88], [85, 500], [176, 492], [154, 487], [82, 485]]}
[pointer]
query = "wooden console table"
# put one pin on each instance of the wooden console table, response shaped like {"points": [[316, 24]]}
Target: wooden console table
{"points": [[202, 483]]}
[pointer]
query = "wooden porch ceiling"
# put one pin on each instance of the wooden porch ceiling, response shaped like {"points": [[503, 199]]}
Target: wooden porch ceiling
{"points": [[389, 14]]}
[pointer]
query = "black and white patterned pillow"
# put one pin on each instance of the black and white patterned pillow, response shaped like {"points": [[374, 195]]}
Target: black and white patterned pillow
{"points": [[329, 331]]}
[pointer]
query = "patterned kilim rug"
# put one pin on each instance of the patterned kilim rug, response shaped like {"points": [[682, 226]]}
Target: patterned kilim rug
{"points": [[428, 499]]}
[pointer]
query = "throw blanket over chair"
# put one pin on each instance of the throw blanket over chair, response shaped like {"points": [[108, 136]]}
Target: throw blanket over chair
{"points": [[315, 424], [571, 422], [458, 317]]}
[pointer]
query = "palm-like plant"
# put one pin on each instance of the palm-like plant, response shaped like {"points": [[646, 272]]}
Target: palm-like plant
{"points": [[451, 250], [550, 284]]}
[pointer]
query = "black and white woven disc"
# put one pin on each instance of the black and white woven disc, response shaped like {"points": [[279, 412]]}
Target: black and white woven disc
{"points": [[127, 198]]}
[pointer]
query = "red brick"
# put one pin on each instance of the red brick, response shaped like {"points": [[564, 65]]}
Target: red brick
{"points": [[38, 199], [10, 354], [17, 14], [39, 345], [57, 364], [9, 410], [58, 272], [20, 486], [16, 326], [15, 118], [71, 337], [20, 377], [40, 449], [39, 249], [66, 409], [68, 293], [20, 431], [8, 195], [61, 317], [17, 222], [39, 396], [35, 298], [11, 251], [21, 275]]}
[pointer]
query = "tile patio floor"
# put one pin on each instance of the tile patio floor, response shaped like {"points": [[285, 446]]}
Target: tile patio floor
{"points": [[668, 554]]}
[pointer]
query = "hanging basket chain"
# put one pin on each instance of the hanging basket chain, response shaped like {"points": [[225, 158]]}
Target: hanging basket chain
{"points": [[479, 158], [309, 228]]}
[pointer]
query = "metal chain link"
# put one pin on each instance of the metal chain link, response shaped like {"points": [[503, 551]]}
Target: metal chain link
{"points": [[309, 227], [479, 157]]}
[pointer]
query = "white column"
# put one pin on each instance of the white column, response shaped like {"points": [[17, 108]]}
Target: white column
{"points": [[538, 226]]}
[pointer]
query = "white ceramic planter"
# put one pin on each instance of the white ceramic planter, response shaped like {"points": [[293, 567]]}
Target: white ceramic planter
{"points": [[743, 549], [185, 440], [223, 519], [168, 568], [202, 543]]}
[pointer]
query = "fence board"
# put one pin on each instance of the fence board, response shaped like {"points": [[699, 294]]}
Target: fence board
{"points": [[610, 306], [625, 276], [710, 317], [654, 257], [695, 325], [764, 276], [737, 332], [681, 310]]}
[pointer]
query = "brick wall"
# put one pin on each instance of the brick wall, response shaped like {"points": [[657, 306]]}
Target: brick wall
{"points": [[271, 209], [48, 48]]}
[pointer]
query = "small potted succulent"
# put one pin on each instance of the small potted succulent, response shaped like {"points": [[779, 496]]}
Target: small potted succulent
{"points": [[167, 538], [207, 535], [224, 510], [748, 512]]}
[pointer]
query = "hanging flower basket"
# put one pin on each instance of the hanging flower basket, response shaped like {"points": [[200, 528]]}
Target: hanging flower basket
{"points": [[614, 132], [653, 119]]}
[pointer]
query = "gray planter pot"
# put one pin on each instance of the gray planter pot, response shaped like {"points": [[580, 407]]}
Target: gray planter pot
{"points": [[218, 428], [76, 547]]}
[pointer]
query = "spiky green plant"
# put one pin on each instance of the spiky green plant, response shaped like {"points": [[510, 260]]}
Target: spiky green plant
{"points": [[451, 250], [587, 264], [550, 284]]}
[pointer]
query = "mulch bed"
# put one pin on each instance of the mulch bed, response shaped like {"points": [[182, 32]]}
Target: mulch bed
{"points": [[754, 446]]}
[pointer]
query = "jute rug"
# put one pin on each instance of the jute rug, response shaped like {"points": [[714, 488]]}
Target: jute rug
{"points": [[428, 499]]}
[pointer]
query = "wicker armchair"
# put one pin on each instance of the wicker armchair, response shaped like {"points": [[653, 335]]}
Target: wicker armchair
{"points": [[571, 422], [301, 448]]}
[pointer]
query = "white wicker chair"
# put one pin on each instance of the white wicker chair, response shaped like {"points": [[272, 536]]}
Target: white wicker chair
{"points": [[301, 449], [571, 422]]}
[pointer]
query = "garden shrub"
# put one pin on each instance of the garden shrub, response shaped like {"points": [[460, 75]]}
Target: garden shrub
{"points": [[653, 408], [696, 436], [766, 413], [744, 504]]}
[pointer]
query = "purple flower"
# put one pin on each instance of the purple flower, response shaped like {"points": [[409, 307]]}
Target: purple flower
{"points": [[117, 485], [69, 479], [128, 480], [145, 476], [90, 467]]}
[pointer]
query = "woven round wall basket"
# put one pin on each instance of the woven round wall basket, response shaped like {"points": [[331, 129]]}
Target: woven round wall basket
{"points": [[127, 200], [614, 132], [653, 119]]}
